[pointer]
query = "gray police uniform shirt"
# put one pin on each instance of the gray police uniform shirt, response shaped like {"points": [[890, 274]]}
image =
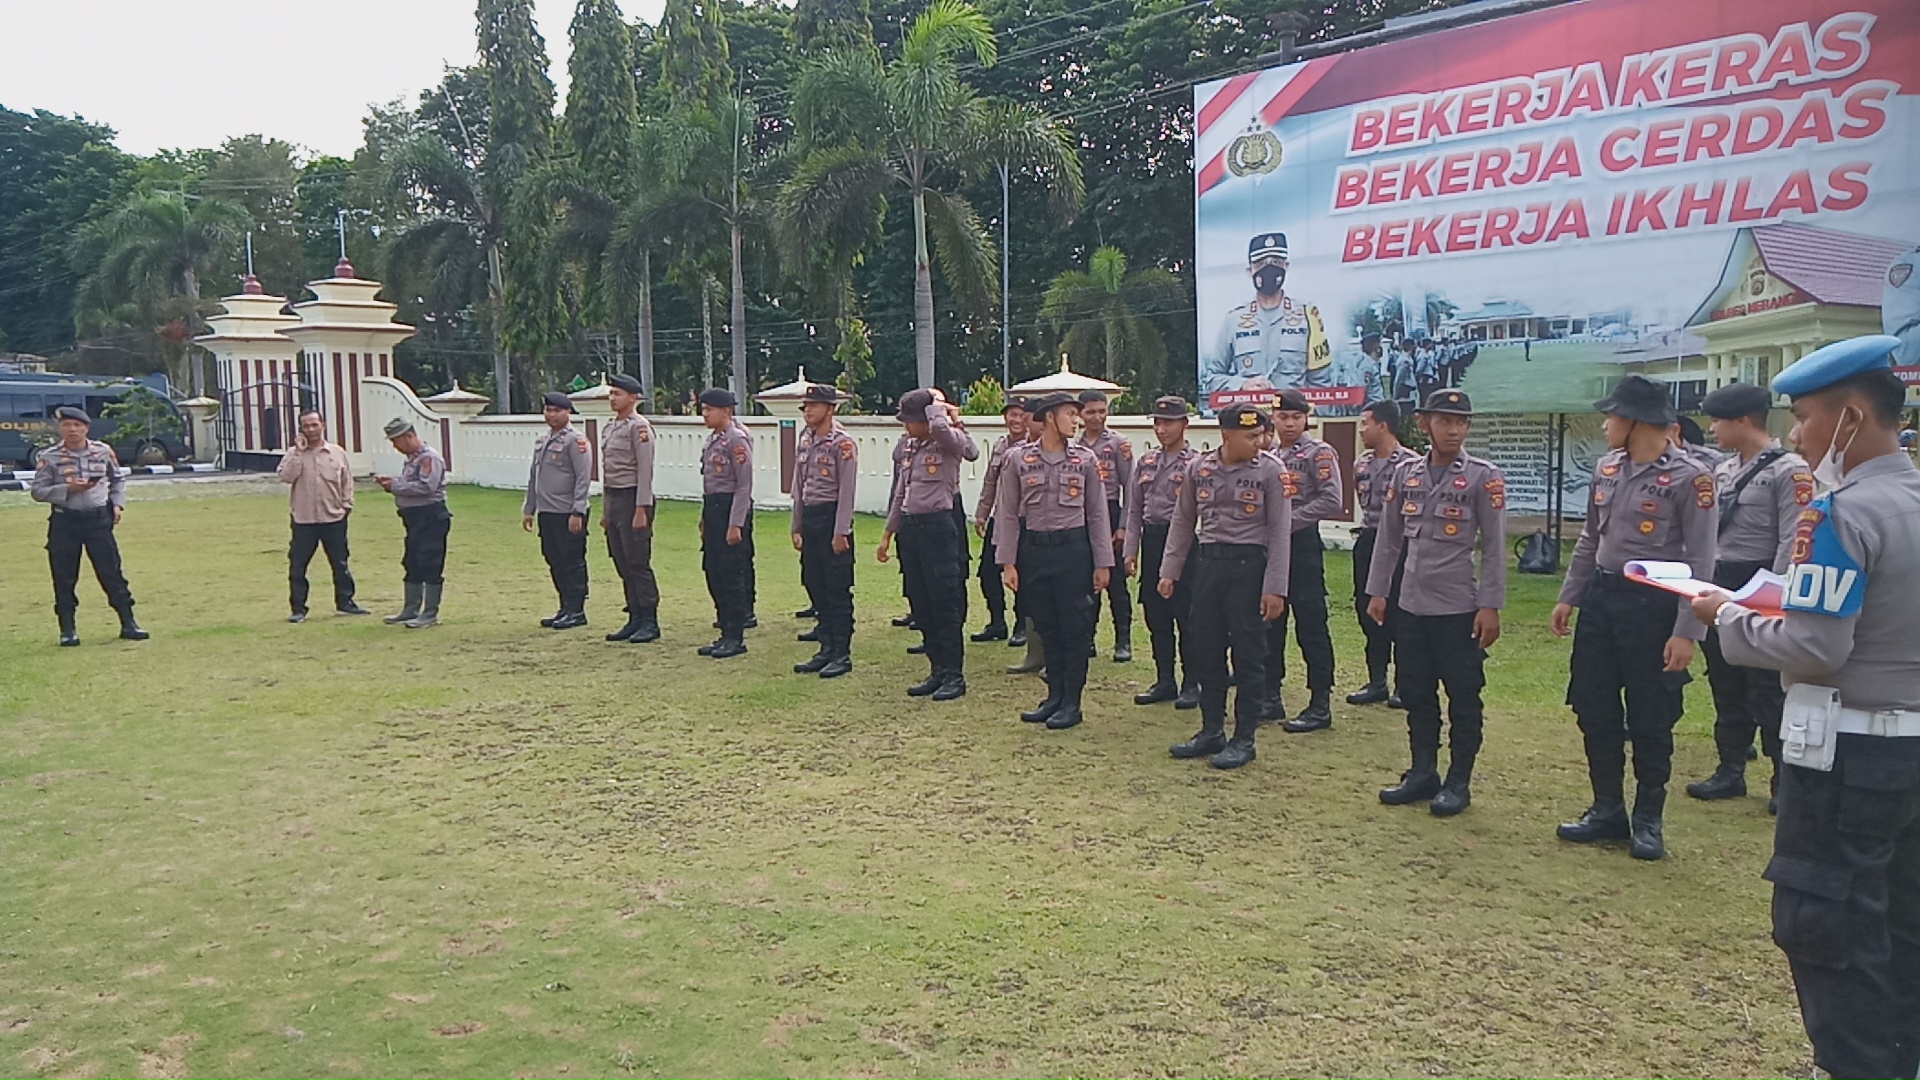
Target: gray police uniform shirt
{"points": [[1261, 343], [1234, 504], [726, 467], [1051, 491], [422, 480], [58, 466], [1760, 528], [1312, 479], [1372, 474], [825, 469], [1115, 454], [1154, 493], [990, 480], [926, 475], [626, 456], [1868, 655], [1440, 517], [1664, 509], [561, 474]]}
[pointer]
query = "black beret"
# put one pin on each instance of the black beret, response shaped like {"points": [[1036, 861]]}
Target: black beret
{"points": [[1291, 400], [913, 406], [625, 382], [1046, 403], [68, 412], [1690, 432], [1736, 400], [719, 398], [1244, 418], [558, 400], [1170, 408]]}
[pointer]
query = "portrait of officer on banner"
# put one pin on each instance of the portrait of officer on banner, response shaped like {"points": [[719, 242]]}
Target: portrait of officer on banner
{"points": [[1273, 341]]}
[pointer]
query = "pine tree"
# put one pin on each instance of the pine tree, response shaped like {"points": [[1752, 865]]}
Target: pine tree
{"points": [[695, 51], [601, 108]]}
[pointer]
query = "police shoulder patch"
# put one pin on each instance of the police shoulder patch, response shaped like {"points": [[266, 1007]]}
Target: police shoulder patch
{"points": [[1824, 579], [1802, 487]]}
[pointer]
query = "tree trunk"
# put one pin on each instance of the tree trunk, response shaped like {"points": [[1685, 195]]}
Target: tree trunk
{"points": [[706, 332], [737, 314], [643, 330], [496, 317], [1109, 329], [922, 292]]}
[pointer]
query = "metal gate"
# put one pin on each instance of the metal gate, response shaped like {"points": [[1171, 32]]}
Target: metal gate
{"points": [[259, 420]]}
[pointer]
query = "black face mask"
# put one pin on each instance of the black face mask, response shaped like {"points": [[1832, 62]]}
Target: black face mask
{"points": [[1268, 280]]}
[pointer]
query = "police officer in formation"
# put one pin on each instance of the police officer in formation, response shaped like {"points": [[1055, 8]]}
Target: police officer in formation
{"points": [[626, 475], [1846, 861], [1153, 493], [1442, 512], [1014, 415], [1235, 503], [1114, 452], [1761, 490], [556, 502], [1646, 500], [1372, 476], [420, 497], [1054, 539], [80, 479], [920, 511], [826, 467], [726, 521], [1313, 484]]}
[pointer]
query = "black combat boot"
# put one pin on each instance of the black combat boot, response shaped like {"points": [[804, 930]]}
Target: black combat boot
{"points": [[625, 633], [1068, 714], [1044, 711], [1018, 638], [1606, 819], [995, 630], [1122, 643], [1455, 795], [649, 628], [1317, 716], [841, 661], [953, 678], [809, 635], [69, 633], [1649, 804], [729, 646], [569, 620], [903, 620], [807, 612], [1239, 749], [1163, 690], [1373, 693], [927, 686], [130, 630], [1189, 695], [815, 662], [1419, 783], [1272, 709], [1729, 781], [1208, 741]]}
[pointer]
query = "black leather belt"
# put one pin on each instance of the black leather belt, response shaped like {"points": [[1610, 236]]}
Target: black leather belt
{"points": [[1231, 552], [1054, 538], [937, 517]]}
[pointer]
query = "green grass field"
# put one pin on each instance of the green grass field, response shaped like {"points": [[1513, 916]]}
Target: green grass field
{"points": [[1562, 376], [251, 848]]}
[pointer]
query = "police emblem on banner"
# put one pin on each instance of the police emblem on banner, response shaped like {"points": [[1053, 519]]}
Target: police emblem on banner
{"points": [[1254, 154]]}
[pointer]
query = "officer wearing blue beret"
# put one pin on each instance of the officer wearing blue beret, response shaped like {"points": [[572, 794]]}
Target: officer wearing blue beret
{"points": [[1846, 851]]}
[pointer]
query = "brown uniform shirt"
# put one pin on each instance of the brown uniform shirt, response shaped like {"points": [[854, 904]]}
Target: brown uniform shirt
{"points": [[422, 480], [726, 466], [1761, 524], [1313, 480], [561, 474], [1371, 475], [1234, 504], [56, 467], [825, 468], [1115, 454], [1664, 509], [927, 478], [990, 481], [1439, 517], [1048, 492], [1154, 491], [626, 457]]}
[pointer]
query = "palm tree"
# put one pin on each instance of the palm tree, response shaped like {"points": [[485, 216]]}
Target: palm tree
{"points": [[145, 260], [912, 123], [1105, 314]]}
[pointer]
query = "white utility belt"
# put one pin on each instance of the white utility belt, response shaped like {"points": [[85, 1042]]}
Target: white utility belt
{"points": [[1814, 719]]}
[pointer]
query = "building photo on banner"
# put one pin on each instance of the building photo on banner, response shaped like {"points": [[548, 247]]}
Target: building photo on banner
{"points": [[1532, 208]]}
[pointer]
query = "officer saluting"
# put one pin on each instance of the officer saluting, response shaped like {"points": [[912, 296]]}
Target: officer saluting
{"points": [[932, 538], [626, 476], [824, 473], [1313, 484], [1052, 536], [1372, 475], [1846, 851], [557, 486], [1646, 501], [1439, 509], [1153, 493], [726, 521], [80, 478], [420, 495], [1274, 341], [1761, 490], [1236, 498]]}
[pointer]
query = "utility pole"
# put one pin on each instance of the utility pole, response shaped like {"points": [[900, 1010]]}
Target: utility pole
{"points": [[1006, 295]]}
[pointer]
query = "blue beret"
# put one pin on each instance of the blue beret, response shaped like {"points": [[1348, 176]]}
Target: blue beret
{"points": [[624, 382], [557, 400], [1830, 364], [715, 397]]}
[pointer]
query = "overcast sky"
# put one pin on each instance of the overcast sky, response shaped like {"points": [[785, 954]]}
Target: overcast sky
{"points": [[191, 73]]}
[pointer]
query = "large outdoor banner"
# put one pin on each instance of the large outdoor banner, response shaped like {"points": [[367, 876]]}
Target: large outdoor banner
{"points": [[1529, 208]]}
